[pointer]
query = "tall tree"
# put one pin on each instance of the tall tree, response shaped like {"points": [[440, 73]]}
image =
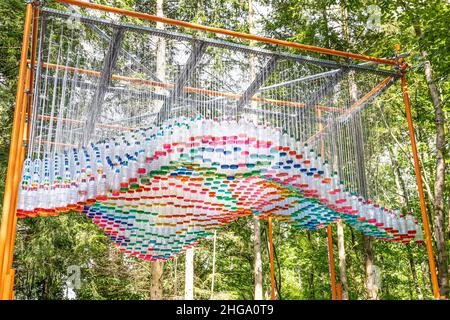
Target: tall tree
{"points": [[257, 267], [156, 291], [339, 225], [213, 275], [189, 275], [371, 286], [439, 184], [342, 259]]}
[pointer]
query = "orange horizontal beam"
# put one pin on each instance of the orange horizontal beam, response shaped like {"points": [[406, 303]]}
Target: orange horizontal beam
{"points": [[367, 96], [378, 87], [231, 33], [188, 89]]}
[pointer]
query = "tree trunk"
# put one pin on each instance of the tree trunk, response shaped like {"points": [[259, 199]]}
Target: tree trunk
{"points": [[371, 274], [385, 287], [189, 275], [371, 283], [438, 205], [425, 276], [156, 291], [342, 260], [257, 267], [371, 286], [413, 272], [311, 287], [175, 280], [439, 215], [341, 240], [213, 264]]}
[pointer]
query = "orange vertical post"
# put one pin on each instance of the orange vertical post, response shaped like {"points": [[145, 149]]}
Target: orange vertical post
{"points": [[272, 270], [7, 287], [339, 291], [331, 262], [9, 249], [14, 168], [423, 207], [24, 132]]}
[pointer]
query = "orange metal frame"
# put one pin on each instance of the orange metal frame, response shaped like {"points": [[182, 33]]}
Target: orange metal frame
{"points": [[9, 218], [423, 207], [23, 110]]}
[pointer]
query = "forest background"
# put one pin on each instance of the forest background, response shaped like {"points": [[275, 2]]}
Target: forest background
{"points": [[49, 250]]}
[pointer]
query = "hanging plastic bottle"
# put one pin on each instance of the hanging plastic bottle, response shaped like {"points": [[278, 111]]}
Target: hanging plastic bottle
{"points": [[402, 226], [395, 222], [410, 224], [388, 221], [101, 194], [83, 188], [419, 234]]}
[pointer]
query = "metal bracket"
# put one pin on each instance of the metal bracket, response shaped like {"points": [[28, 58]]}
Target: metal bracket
{"points": [[36, 3]]}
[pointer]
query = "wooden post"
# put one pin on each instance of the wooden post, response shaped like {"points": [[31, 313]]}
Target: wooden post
{"points": [[272, 270], [14, 167], [423, 207]]}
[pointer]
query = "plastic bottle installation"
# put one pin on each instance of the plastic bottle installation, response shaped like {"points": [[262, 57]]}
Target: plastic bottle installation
{"points": [[158, 191]]}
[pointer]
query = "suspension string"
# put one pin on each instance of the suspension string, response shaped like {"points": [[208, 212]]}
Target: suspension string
{"points": [[37, 77], [42, 94], [62, 104], [72, 102], [54, 96]]}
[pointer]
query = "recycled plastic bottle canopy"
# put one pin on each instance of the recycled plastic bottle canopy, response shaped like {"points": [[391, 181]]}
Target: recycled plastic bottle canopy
{"points": [[159, 190]]}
